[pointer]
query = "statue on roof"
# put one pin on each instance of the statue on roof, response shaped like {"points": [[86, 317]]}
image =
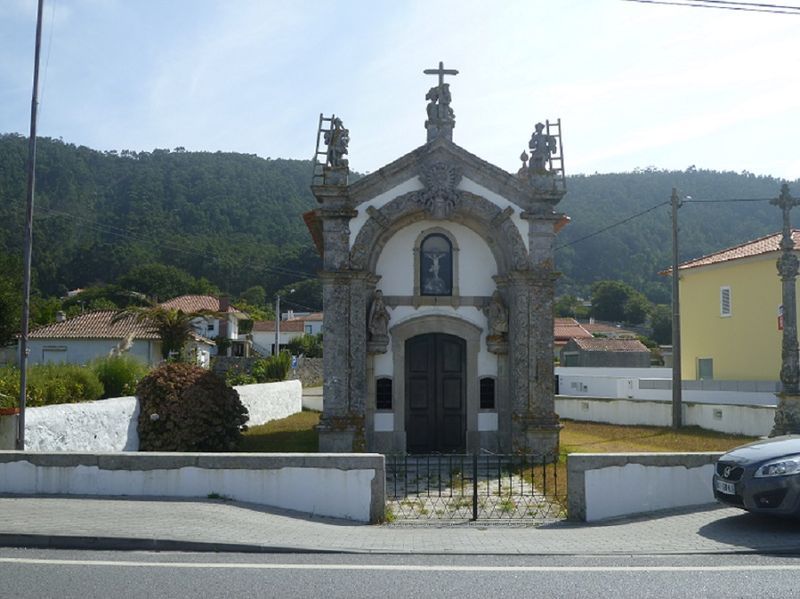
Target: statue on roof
{"points": [[542, 146], [441, 118], [337, 139]]}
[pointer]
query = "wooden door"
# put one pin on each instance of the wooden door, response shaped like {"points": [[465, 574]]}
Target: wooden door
{"points": [[435, 393]]}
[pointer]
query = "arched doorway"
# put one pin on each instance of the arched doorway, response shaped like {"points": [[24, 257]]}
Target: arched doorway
{"points": [[436, 398]]}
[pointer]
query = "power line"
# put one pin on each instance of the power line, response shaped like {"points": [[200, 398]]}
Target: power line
{"points": [[687, 200], [690, 200], [609, 227], [721, 5]]}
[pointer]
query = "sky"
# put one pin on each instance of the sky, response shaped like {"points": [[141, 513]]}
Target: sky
{"points": [[635, 85]]}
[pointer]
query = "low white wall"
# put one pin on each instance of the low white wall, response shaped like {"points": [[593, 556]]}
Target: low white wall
{"points": [[111, 424], [103, 425], [755, 420], [350, 486], [271, 401], [603, 486], [655, 384]]}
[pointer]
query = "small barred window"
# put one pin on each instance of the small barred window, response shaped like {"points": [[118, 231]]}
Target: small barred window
{"points": [[487, 393], [383, 394]]}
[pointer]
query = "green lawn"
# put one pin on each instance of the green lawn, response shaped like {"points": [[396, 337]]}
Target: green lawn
{"points": [[296, 434]]}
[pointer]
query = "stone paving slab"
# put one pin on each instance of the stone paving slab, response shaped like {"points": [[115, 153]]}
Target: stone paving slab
{"points": [[168, 524]]}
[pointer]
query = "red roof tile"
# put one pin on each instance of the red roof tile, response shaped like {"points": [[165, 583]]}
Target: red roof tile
{"points": [[196, 303], [94, 325], [287, 326], [607, 329], [615, 345], [757, 247], [568, 328]]}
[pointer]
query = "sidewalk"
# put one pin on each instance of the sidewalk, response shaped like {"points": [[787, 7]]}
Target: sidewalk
{"points": [[212, 525]]}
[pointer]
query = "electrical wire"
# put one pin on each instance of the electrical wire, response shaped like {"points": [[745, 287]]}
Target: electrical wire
{"points": [[719, 5], [687, 200], [609, 227]]}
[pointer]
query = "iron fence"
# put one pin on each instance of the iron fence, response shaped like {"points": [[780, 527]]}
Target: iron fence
{"points": [[470, 487]]}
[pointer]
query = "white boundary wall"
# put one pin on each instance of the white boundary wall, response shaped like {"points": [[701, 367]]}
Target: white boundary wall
{"points": [[109, 425], [350, 486], [755, 421], [603, 486], [655, 384]]}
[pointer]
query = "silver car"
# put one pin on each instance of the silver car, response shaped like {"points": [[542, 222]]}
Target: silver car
{"points": [[761, 477]]}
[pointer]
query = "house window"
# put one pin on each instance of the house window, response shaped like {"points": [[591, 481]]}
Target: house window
{"points": [[383, 394], [436, 265], [705, 369], [210, 326], [308, 328], [487, 393], [725, 301]]}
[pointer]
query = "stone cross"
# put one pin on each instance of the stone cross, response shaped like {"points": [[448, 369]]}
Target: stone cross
{"points": [[787, 415], [441, 71]]}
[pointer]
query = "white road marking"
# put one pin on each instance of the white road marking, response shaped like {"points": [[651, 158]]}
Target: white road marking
{"points": [[395, 567]]}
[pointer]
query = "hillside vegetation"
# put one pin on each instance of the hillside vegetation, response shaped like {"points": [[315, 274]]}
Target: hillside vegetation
{"points": [[233, 222]]}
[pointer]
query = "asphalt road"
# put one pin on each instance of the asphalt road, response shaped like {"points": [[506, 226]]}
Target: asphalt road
{"points": [[118, 575]]}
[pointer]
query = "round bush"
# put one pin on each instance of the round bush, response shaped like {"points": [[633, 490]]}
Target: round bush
{"points": [[187, 408]]}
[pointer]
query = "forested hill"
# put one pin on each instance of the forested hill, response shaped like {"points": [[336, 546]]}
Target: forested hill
{"points": [[717, 215], [235, 219]]}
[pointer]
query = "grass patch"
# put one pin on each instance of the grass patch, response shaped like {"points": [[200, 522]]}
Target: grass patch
{"points": [[593, 437], [295, 434]]}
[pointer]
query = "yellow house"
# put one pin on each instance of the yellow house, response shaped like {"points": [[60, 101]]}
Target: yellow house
{"points": [[730, 303]]}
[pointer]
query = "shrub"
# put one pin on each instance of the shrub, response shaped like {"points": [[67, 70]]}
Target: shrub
{"points": [[273, 369], [187, 408], [119, 374], [9, 387], [308, 345], [50, 384]]}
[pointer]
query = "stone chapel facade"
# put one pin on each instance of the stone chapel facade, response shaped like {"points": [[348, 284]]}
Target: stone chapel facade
{"points": [[438, 289]]}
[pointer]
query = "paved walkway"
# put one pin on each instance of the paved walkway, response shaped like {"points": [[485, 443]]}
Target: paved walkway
{"points": [[162, 524]]}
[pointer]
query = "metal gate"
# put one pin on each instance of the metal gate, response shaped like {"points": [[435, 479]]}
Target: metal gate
{"points": [[471, 487]]}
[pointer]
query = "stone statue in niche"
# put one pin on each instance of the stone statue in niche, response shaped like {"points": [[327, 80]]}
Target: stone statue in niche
{"points": [[337, 139], [497, 313], [542, 146], [378, 319]]}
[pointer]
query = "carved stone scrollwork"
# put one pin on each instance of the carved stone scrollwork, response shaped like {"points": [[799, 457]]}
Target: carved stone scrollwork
{"points": [[440, 196]]}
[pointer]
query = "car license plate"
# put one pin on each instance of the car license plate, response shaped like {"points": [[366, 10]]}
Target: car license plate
{"points": [[725, 487]]}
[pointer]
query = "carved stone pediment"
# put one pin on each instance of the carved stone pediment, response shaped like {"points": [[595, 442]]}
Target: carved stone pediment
{"points": [[440, 196]]}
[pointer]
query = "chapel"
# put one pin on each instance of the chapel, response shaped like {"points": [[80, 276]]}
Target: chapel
{"points": [[438, 290]]}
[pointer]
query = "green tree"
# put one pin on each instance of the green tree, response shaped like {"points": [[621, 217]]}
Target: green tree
{"points": [[10, 299], [570, 306], [618, 302], [637, 308], [163, 282], [661, 321], [173, 326], [254, 296]]}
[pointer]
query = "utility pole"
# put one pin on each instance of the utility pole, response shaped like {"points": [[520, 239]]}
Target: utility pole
{"points": [[677, 396], [277, 323], [28, 244]]}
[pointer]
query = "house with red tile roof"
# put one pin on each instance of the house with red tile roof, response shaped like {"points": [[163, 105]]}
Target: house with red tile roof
{"points": [[565, 329], [605, 352], [730, 304], [93, 335], [223, 324], [296, 325]]}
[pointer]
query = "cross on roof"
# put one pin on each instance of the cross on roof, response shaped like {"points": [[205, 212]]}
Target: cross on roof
{"points": [[441, 71]]}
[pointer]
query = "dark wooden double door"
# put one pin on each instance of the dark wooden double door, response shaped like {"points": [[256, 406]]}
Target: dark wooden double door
{"points": [[435, 393]]}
